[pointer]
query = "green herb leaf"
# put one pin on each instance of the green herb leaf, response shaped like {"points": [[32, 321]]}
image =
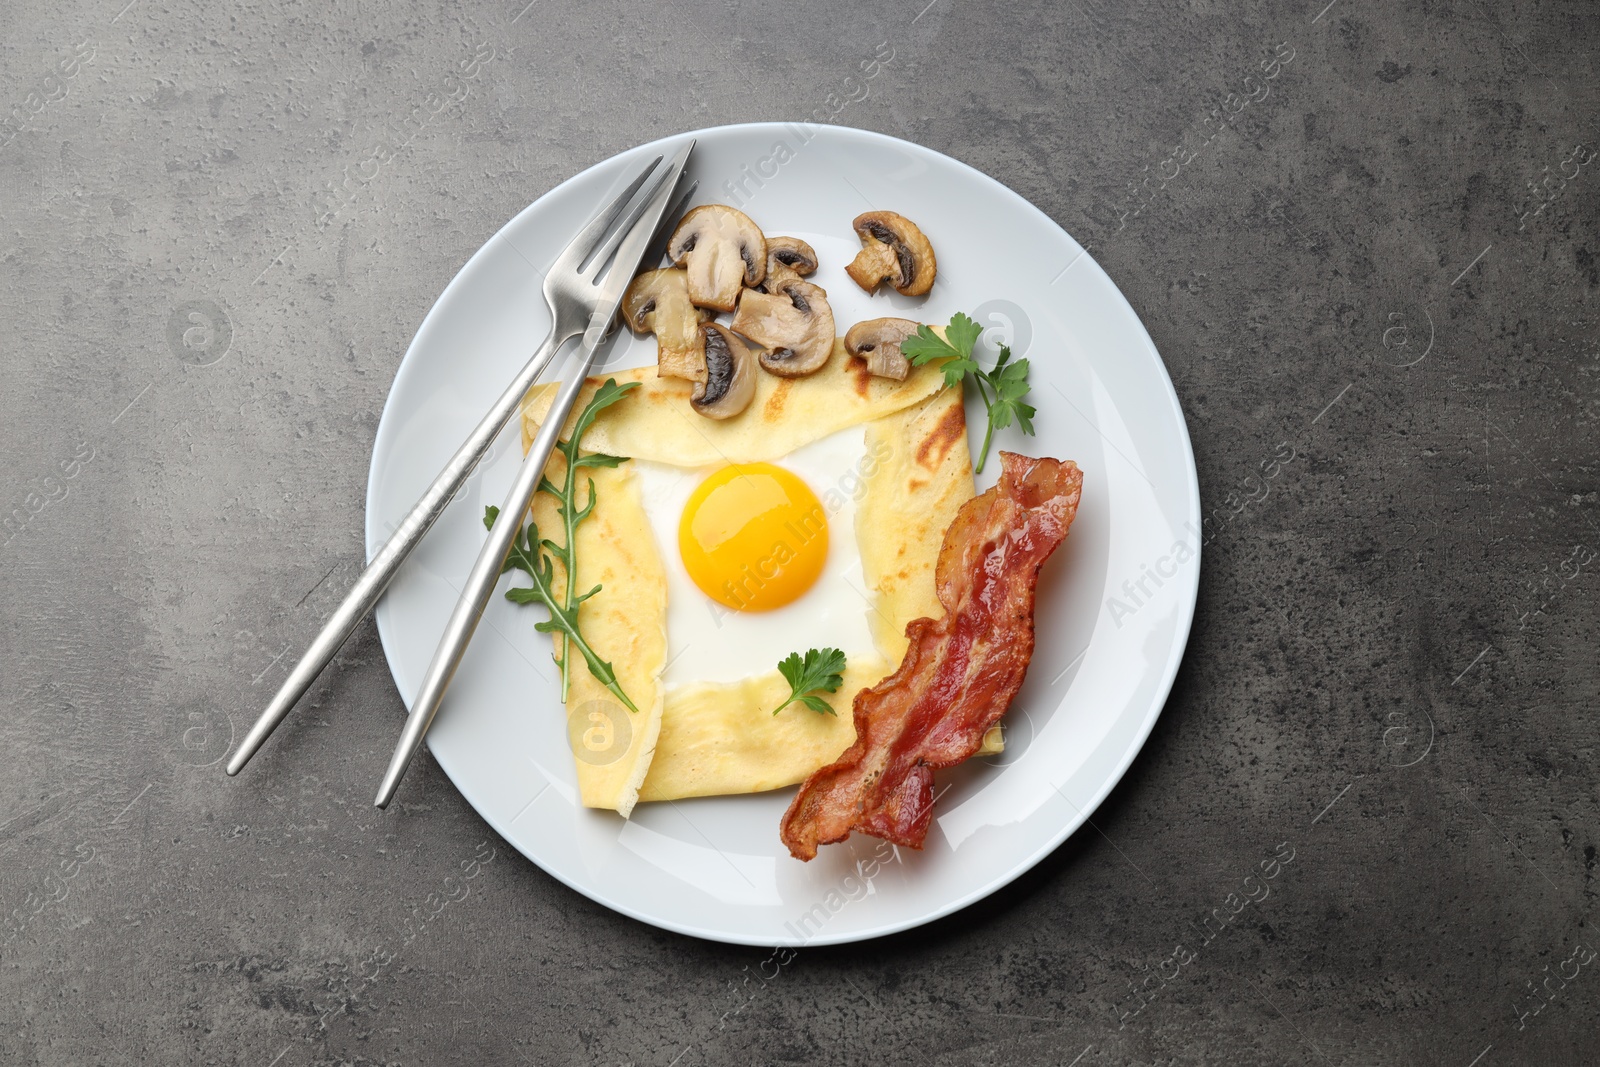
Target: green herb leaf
{"points": [[820, 672], [925, 345], [1010, 383], [600, 459], [608, 394], [1006, 381], [962, 333]]}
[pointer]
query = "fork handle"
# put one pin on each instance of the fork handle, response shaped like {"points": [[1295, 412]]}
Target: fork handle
{"points": [[385, 563]]}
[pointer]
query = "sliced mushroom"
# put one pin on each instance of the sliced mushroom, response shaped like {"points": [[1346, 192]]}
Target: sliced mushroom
{"points": [[795, 324], [788, 260], [893, 250], [723, 252], [730, 380], [878, 342], [657, 302]]}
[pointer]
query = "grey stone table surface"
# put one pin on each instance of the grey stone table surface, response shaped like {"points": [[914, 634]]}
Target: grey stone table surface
{"points": [[1364, 231]]}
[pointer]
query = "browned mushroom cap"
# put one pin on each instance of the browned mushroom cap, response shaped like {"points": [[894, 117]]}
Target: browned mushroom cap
{"points": [[730, 381], [723, 252], [788, 259], [795, 324], [893, 250], [657, 302], [878, 342]]}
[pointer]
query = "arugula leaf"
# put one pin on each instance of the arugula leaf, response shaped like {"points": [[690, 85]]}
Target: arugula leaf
{"points": [[1007, 381], [567, 507], [819, 672], [600, 459], [536, 556]]}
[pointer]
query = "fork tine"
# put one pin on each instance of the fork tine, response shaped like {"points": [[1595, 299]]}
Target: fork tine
{"points": [[599, 267], [583, 244], [593, 264], [644, 232]]}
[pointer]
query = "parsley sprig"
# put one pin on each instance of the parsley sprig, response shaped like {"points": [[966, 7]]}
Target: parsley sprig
{"points": [[820, 672], [535, 556], [1002, 387]]}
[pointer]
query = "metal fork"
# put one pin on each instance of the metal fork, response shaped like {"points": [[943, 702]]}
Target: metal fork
{"points": [[570, 292], [604, 294]]}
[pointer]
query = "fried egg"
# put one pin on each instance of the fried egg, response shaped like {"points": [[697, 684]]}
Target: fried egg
{"points": [[753, 536], [759, 557]]}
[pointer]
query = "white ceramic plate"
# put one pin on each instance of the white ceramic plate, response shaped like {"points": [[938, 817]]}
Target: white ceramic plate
{"points": [[714, 867]]}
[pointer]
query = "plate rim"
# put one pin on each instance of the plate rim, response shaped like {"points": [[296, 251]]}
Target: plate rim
{"points": [[1181, 631]]}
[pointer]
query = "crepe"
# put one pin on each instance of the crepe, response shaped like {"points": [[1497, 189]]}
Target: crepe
{"points": [[625, 622], [718, 737], [656, 422], [712, 738], [923, 478]]}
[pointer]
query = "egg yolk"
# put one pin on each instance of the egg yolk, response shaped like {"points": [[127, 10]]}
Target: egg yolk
{"points": [[753, 536]]}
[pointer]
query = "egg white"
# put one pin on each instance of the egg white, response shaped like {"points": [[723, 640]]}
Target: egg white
{"points": [[710, 642]]}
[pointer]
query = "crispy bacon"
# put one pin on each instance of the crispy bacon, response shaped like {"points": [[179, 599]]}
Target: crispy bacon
{"points": [[960, 672]]}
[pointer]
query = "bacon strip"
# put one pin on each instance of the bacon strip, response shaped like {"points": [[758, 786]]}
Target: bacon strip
{"points": [[960, 673]]}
